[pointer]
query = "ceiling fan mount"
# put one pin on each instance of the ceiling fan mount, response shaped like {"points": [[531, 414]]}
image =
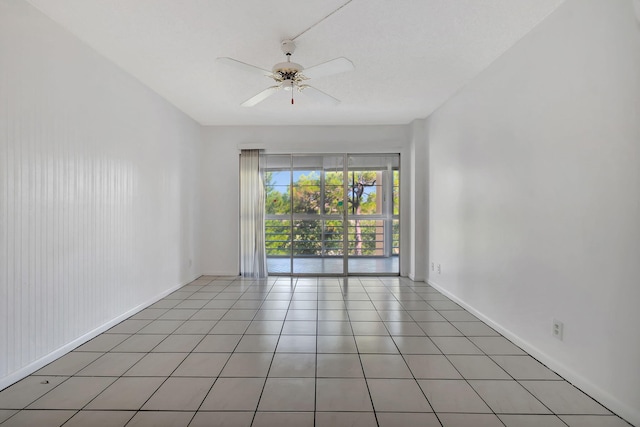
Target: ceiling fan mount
{"points": [[288, 47], [290, 75]]}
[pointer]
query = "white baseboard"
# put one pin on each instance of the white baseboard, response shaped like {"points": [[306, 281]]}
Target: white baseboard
{"points": [[630, 414], [21, 373]]}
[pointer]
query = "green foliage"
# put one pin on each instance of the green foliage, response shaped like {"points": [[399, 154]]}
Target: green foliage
{"points": [[277, 200], [395, 249], [306, 194], [278, 237], [323, 237], [396, 192], [317, 237], [371, 232], [334, 193]]}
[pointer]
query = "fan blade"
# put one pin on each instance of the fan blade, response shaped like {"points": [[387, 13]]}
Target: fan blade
{"points": [[318, 95], [260, 97], [335, 66], [244, 66]]}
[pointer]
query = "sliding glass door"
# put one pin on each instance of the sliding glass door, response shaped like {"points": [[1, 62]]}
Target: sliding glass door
{"points": [[310, 199]]}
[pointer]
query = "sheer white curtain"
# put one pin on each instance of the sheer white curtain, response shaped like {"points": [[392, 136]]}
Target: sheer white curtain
{"points": [[253, 258]]}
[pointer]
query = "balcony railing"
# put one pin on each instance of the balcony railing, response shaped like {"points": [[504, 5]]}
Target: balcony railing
{"points": [[324, 237]]}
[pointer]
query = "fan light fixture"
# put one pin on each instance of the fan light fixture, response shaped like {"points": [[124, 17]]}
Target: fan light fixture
{"points": [[290, 75]]}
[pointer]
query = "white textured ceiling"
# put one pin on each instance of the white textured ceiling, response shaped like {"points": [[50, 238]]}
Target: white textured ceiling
{"points": [[410, 55]]}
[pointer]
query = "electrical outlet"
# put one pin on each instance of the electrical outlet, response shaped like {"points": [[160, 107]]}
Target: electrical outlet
{"points": [[558, 329], [433, 266], [439, 269]]}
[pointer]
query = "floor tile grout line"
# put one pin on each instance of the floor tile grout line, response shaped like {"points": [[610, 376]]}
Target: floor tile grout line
{"points": [[407, 366], [484, 353], [446, 355], [413, 376], [366, 382], [264, 385], [472, 388], [166, 378], [224, 365], [315, 377]]}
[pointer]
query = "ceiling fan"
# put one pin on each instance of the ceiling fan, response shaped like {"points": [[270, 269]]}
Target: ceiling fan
{"points": [[290, 76]]}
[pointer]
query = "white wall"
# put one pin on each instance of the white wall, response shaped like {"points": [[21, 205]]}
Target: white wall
{"points": [[220, 176], [99, 192], [418, 200], [535, 196]]}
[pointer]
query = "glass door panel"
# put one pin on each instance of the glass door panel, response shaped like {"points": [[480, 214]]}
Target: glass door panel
{"points": [[307, 226], [333, 211], [278, 236], [373, 207], [318, 214]]}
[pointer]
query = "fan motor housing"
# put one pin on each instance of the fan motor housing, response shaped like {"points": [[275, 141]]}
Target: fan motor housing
{"points": [[287, 67], [288, 71]]}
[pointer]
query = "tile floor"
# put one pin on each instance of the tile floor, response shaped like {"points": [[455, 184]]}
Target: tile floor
{"points": [[368, 351]]}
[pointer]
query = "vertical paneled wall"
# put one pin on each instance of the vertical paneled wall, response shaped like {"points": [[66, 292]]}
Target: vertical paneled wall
{"points": [[98, 191]]}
